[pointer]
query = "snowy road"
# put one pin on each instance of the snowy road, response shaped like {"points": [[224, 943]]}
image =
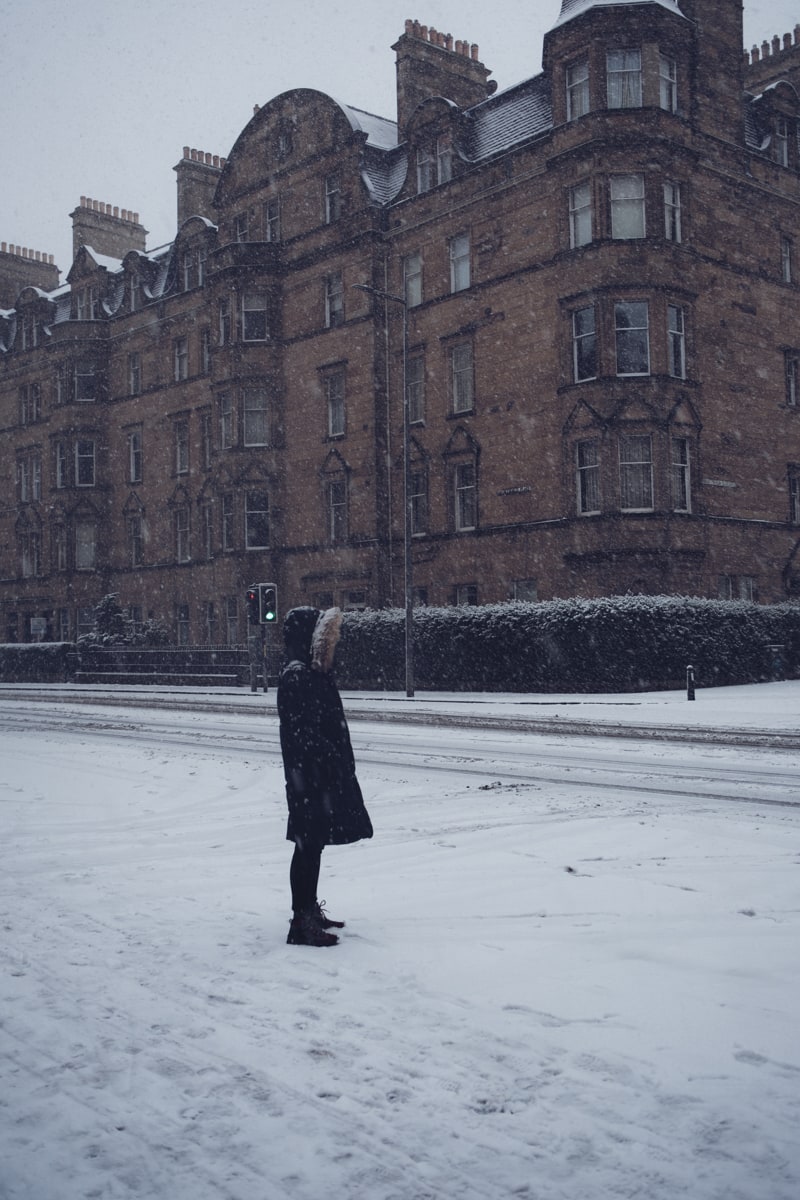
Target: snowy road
{"points": [[570, 968]]}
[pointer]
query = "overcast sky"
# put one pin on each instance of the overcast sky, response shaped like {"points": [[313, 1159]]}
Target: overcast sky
{"points": [[101, 98]]}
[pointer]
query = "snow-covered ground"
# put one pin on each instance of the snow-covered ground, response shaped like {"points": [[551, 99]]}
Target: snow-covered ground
{"points": [[570, 968]]}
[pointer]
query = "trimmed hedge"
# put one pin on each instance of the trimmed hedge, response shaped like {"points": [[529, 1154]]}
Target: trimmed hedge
{"points": [[37, 662], [617, 644]]}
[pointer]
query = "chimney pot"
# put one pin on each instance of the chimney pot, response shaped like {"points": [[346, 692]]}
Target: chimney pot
{"points": [[765, 48], [474, 55], [136, 218], [776, 44], [787, 41]]}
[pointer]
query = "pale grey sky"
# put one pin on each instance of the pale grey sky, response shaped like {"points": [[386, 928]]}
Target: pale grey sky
{"points": [[100, 99]]}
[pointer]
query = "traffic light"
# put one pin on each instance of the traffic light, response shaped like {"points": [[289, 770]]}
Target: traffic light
{"points": [[269, 603], [252, 598]]}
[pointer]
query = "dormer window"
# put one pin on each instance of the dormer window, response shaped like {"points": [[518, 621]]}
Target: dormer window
{"points": [[624, 78], [434, 163], [577, 90], [781, 142]]}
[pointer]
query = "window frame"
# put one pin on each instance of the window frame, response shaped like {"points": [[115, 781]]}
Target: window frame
{"points": [[461, 361], [333, 198], [135, 456], [579, 338], [255, 324], [673, 210], [415, 387], [256, 519], [635, 473], [412, 279], [676, 341], [622, 77], [255, 417], [180, 359], [334, 300], [460, 257], [620, 332], [581, 214], [680, 474], [627, 212], [181, 441], [465, 496], [578, 99], [85, 462], [587, 477], [336, 501], [667, 83], [334, 384]]}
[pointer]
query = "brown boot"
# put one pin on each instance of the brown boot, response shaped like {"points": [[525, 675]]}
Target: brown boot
{"points": [[304, 931], [322, 918]]}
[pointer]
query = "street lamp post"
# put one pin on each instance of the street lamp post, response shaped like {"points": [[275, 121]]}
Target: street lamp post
{"points": [[408, 566]]}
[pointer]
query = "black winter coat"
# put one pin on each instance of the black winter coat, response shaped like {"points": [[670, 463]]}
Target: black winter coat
{"points": [[325, 802]]}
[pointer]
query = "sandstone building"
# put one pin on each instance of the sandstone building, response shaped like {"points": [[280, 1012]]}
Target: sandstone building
{"points": [[586, 286]]}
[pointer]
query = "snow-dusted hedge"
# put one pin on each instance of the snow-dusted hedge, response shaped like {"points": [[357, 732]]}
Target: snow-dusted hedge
{"points": [[622, 643], [40, 662]]}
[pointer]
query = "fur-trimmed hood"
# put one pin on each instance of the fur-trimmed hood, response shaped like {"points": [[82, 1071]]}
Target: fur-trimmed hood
{"points": [[311, 636], [325, 639]]}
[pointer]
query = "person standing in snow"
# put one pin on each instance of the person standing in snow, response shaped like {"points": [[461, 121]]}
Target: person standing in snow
{"points": [[326, 807]]}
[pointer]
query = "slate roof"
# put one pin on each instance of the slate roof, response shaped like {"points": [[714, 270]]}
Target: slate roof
{"points": [[575, 8], [516, 115]]}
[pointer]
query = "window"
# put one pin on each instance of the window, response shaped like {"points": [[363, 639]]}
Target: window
{"points": [[226, 508], [226, 427], [580, 215], [444, 159], [584, 344], [206, 442], [180, 352], [85, 543], [84, 462], [426, 168], [681, 491], [792, 373], [577, 90], [587, 457], [135, 541], [668, 83], [256, 521], [84, 382], [135, 456], [181, 520], [182, 624], [85, 621], [334, 402], [232, 620], [676, 342], [466, 496], [418, 501], [415, 386], [466, 593], [134, 373], [181, 447], [736, 587], [189, 268], [30, 478], [205, 351], [636, 472], [459, 263], [254, 317], [627, 206], [624, 78], [60, 547], [672, 212], [631, 328], [786, 259], [412, 279], [334, 300], [30, 404], [207, 527], [224, 322], [434, 163], [272, 220], [337, 510], [462, 377], [242, 227], [781, 142], [62, 465], [333, 199], [211, 623], [794, 495], [255, 416], [135, 286], [30, 552]]}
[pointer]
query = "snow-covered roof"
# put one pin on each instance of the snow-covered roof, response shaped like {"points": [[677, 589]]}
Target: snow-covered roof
{"points": [[104, 260], [575, 8], [380, 131], [509, 117]]}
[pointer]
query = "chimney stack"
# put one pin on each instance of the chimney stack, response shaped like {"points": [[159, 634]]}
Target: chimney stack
{"points": [[430, 63], [107, 229], [198, 173]]}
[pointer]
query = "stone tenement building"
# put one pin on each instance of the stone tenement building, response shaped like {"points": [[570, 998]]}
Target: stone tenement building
{"points": [[599, 269]]}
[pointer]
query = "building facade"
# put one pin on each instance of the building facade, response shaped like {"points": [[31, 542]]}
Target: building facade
{"points": [[585, 288]]}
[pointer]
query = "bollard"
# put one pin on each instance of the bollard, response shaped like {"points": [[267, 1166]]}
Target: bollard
{"points": [[690, 683]]}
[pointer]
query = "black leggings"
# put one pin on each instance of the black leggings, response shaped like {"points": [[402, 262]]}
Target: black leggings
{"points": [[304, 876]]}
